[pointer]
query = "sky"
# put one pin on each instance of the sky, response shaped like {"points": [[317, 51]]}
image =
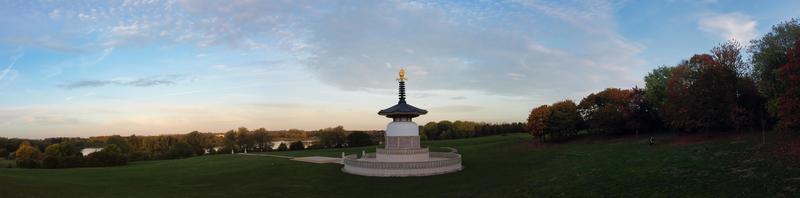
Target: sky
{"points": [[145, 67]]}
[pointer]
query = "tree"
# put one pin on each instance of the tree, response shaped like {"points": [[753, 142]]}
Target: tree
{"points": [[769, 54], [537, 121], [181, 149], [750, 110], [332, 137], [27, 156], [111, 155], [431, 130], [789, 100], [729, 56], [606, 112], [262, 140], [564, 120], [55, 150], [196, 142], [282, 147], [701, 95], [358, 139], [656, 86], [229, 140], [244, 139], [297, 145], [122, 143], [640, 115], [445, 128]]}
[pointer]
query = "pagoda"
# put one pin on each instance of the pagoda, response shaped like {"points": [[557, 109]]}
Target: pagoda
{"points": [[402, 154]]}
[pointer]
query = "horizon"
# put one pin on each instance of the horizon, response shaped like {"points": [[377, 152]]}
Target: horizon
{"points": [[172, 67]]}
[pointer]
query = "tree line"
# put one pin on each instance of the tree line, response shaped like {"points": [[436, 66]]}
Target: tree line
{"points": [[119, 150], [458, 129], [715, 91]]}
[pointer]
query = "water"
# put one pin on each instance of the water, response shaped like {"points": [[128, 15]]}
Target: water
{"points": [[87, 151], [306, 143]]}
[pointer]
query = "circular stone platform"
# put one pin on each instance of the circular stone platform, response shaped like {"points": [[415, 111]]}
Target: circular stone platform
{"points": [[410, 163]]}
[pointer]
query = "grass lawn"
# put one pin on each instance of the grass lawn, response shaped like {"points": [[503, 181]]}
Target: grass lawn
{"points": [[496, 166]]}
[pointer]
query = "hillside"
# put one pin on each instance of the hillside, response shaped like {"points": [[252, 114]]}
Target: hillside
{"points": [[496, 166]]}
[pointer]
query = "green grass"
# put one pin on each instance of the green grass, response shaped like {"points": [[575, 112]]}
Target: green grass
{"points": [[496, 166]]}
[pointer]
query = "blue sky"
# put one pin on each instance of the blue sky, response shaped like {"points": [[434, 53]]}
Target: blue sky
{"points": [[83, 68]]}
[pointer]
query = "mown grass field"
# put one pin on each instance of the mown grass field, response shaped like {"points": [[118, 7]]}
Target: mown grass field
{"points": [[496, 166]]}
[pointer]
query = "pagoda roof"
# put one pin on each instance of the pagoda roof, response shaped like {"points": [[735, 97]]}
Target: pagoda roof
{"points": [[402, 109]]}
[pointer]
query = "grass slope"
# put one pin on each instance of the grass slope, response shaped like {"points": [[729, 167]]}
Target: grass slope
{"points": [[496, 166]]}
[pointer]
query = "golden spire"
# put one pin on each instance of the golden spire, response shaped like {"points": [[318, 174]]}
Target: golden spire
{"points": [[402, 75]]}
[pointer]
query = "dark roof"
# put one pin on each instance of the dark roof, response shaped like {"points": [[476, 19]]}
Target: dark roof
{"points": [[402, 109]]}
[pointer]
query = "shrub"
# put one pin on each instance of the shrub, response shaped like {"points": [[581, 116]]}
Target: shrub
{"points": [[358, 138], [282, 147], [3, 153], [27, 163], [297, 145], [71, 161], [109, 156], [50, 162]]}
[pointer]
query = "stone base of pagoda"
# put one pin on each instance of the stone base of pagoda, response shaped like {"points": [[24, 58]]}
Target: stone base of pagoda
{"points": [[402, 142], [390, 163]]}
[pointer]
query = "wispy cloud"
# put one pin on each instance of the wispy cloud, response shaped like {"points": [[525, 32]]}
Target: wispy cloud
{"points": [[10, 66], [729, 26], [140, 82]]}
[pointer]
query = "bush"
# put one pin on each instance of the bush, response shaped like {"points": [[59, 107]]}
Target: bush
{"points": [[28, 163], [103, 158], [3, 153], [73, 161], [358, 138], [282, 147], [109, 156], [298, 145], [50, 162]]}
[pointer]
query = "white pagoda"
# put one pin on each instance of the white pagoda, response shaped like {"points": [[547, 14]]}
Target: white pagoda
{"points": [[402, 155]]}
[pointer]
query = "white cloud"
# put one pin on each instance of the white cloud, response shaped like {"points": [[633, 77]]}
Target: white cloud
{"points": [[729, 26], [443, 45]]}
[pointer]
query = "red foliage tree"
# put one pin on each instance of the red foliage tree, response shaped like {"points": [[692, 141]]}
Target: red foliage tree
{"points": [[789, 100], [701, 95], [537, 121]]}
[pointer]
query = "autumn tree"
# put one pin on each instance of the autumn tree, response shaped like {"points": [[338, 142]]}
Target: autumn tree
{"points": [[701, 94], [605, 111], [537, 121], [789, 100], [27, 156], [639, 113], [769, 55]]}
